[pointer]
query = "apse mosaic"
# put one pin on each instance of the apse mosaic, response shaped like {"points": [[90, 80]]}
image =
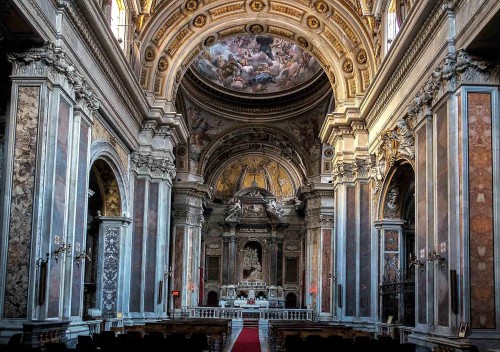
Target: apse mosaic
{"points": [[256, 64]]}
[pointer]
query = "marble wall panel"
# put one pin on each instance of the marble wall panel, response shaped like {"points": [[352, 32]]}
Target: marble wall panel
{"points": [[441, 213], [110, 272], [351, 255], [2, 160], [365, 252], [315, 264], [179, 259], [152, 220], [80, 225], [137, 238], [421, 222], [21, 212], [326, 271], [480, 155], [59, 204]]}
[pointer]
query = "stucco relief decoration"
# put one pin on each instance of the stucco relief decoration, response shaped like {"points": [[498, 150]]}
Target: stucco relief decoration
{"points": [[321, 6], [56, 61], [200, 21], [209, 41], [155, 166], [258, 64], [398, 143], [162, 64], [256, 29], [191, 5], [313, 22], [149, 55], [361, 57], [455, 69], [343, 172], [110, 274], [302, 42], [348, 66], [257, 5]]}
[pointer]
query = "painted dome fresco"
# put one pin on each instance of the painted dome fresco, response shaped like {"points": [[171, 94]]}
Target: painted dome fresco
{"points": [[257, 64]]}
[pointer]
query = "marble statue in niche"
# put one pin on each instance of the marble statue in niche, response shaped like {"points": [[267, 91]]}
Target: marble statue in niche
{"points": [[392, 204], [252, 268]]}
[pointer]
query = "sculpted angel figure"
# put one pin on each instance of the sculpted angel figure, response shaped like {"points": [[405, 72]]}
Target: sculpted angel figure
{"points": [[406, 145], [273, 208], [233, 210]]}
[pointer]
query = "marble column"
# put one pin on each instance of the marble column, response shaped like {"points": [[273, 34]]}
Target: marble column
{"points": [[148, 244], [319, 262], [47, 131], [187, 208]]}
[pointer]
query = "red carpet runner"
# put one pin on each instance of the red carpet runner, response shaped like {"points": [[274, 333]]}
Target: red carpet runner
{"points": [[247, 341]]}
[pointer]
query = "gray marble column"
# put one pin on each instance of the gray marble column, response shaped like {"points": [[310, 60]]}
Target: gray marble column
{"points": [[187, 208], [38, 223]]}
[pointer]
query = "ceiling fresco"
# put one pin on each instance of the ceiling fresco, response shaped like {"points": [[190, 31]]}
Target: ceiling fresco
{"points": [[257, 65]]}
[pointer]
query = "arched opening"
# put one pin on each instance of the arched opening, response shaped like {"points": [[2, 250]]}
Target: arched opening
{"points": [[104, 200], [212, 299], [291, 301], [398, 242]]}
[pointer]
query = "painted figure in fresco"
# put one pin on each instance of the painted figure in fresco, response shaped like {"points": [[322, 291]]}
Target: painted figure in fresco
{"points": [[256, 274], [199, 126]]}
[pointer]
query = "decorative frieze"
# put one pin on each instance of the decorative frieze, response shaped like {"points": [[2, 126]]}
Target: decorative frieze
{"points": [[343, 172], [154, 166], [53, 62]]}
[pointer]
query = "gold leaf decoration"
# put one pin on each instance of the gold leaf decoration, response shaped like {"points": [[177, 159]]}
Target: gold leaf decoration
{"points": [[303, 42], [361, 57], [257, 5], [149, 55], [321, 6], [191, 5], [162, 63], [209, 41], [199, 21], [348, 66], [313, 22]]}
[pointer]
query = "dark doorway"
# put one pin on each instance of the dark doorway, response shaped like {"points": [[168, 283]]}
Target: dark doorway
{"points": [[291, 301], [212, 299]]}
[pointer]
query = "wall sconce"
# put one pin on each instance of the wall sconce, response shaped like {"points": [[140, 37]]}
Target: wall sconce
{"points": [[417, 262], [437, 257], [62, 249], [82, 256]]}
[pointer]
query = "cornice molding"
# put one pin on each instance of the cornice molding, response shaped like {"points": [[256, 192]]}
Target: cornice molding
{"points": [[53, 63], [395, 78], [144, 164], [136, 103]]}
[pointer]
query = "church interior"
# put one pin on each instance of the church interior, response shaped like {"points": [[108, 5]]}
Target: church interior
{"points": [[178, 166]]}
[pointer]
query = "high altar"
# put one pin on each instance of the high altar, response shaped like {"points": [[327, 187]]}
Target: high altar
{"points": [[258, 254]]}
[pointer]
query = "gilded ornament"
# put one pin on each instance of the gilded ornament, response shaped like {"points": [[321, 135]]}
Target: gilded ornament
{"points": [[256, 29], [313, 22], [257, 5], [303, 42], [209, 41], [150, 54], [321, 6], [348, 66], [162, 63], [361, 57], [191, 5], [199, 21]]}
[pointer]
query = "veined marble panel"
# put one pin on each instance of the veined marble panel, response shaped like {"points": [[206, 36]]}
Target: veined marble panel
{"points": [[350, 253], [482, 279], [421, 203], [21, 212], [135, 275], [59, 205], [152, 220], [110, 274], [365, 252], [326, 271]]}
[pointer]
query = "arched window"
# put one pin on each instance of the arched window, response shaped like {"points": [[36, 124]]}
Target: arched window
{"points": [[119, 21], [392, 23]]}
